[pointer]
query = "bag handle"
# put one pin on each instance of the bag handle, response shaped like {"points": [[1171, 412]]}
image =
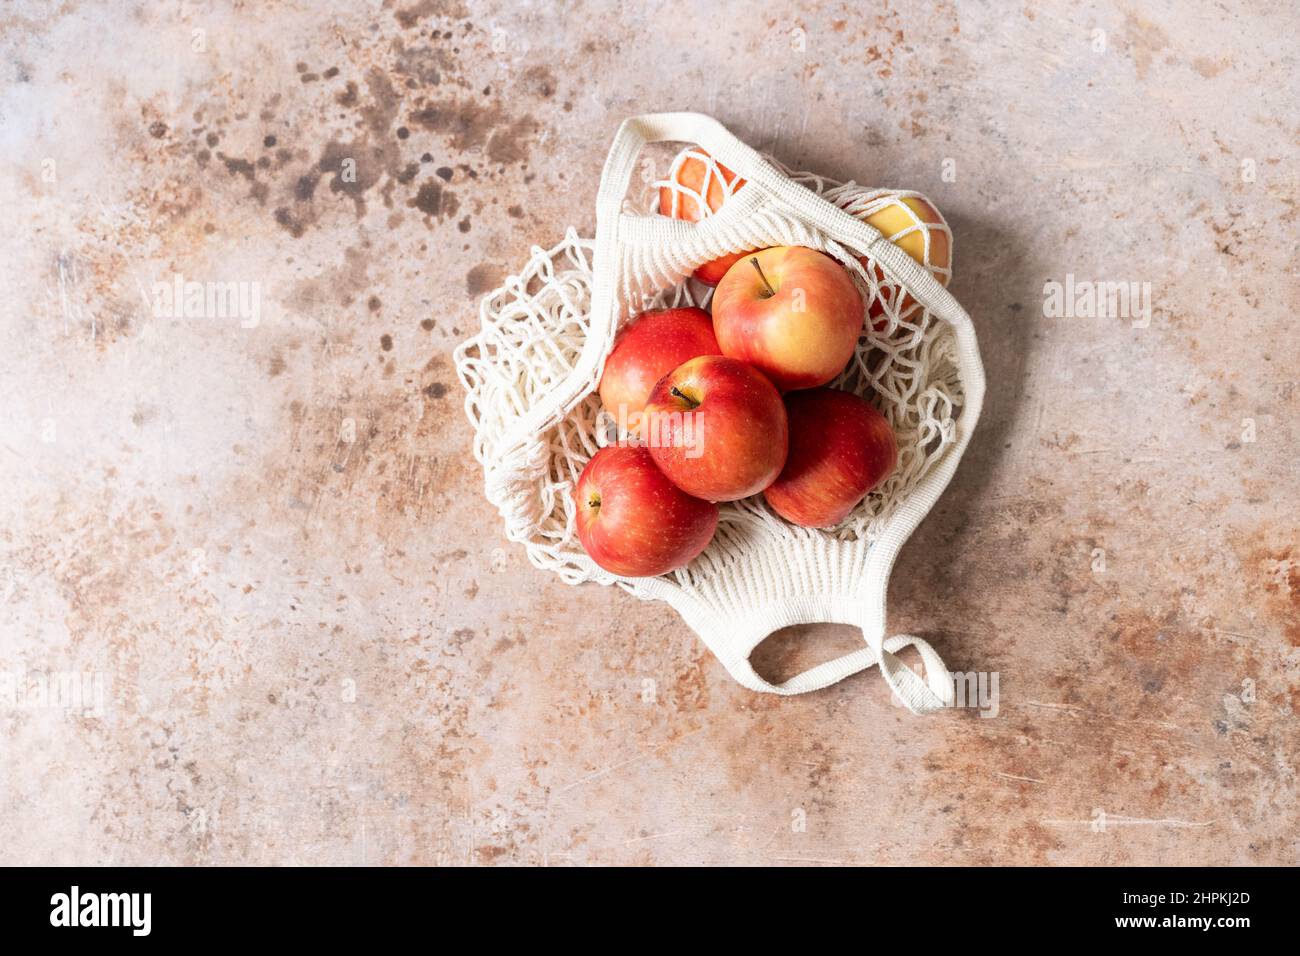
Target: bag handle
{"points": [[814, 678], [637, 132], [920, 696], [733, 635]]}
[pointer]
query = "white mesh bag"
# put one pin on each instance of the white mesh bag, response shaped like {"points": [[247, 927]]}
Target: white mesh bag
{"points": [[532, 370]]}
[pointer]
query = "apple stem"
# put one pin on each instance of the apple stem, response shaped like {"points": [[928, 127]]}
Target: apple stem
{"points": [[770, 291], [690, 402]]}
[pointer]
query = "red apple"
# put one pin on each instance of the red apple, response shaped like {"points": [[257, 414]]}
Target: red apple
{"points": [[716, 427], [791, 312], [650, 347], [705, 186], [840, 448], [633, 521]]}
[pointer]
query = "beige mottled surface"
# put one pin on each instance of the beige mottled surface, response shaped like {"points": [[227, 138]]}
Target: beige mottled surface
{"points": [[321, 651]]}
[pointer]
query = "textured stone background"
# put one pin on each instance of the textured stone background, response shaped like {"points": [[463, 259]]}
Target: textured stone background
{"points": [[321, 652]]}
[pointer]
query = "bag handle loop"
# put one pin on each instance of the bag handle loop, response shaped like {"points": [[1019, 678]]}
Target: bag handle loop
{"points": [[920, 696]]}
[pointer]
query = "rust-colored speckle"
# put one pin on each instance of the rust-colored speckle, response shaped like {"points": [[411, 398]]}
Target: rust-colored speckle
{"points": [[482, 278]]}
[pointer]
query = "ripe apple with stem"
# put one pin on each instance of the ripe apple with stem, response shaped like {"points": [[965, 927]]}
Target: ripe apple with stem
{"points": [[791, 312], [649, 347], [633, 521], [716, 427]]}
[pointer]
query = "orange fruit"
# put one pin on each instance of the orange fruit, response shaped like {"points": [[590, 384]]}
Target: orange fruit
{"points": [[705, 185]]}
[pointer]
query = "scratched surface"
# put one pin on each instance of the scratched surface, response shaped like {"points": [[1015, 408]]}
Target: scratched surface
{"points": [[262, 548]]}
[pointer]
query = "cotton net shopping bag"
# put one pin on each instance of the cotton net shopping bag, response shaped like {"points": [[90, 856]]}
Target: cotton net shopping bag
{"points": [[532, 370]]}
